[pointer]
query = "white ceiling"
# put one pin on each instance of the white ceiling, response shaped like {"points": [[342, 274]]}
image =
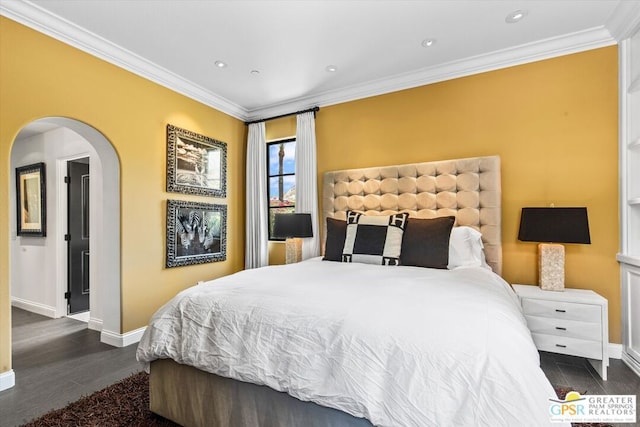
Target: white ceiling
{"points": [[376, 45]]}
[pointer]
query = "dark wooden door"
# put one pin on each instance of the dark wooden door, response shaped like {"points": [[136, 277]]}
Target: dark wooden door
{"points": [[78, 235]]}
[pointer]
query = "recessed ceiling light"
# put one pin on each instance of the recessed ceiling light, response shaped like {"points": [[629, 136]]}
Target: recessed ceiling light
{"points": [[331, 69], [255, 72], [515, 16], [220, 64], [428, 42]]}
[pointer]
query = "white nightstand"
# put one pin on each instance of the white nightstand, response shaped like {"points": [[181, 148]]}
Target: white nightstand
{"points": [[574, 321]]}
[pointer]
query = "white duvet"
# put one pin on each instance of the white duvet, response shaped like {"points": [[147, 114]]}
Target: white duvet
{"points": [[400, 346]]}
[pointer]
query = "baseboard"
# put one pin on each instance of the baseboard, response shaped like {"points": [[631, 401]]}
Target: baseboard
{"points": [[122, 340], [7, 379], [95, 324], [633, 364], [615, 351], [34, 307]]}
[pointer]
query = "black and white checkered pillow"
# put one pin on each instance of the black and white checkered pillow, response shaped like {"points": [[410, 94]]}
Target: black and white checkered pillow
{"points": [[374, 239]]}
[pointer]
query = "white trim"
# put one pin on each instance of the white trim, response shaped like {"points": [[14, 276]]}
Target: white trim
{"points": [[50, 24], [42, 20], [631, 363], [122, 340], [61, 244], [628, 259], [615, 351], [7, 379], [34, 307], [625, 20], [95, 324]]}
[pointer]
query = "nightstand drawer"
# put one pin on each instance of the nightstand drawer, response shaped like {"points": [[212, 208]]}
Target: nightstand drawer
{"points": [[571, 346], [565, 328], [562, 310]]}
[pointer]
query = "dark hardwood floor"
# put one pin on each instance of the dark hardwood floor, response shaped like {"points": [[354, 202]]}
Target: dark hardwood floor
{"points": [[577, 373], [57, 361]]}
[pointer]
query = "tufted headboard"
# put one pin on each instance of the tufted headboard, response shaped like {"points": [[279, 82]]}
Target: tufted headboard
{"points": [[468, 188]]}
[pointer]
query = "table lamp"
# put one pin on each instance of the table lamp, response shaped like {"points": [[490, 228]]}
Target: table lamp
{"points": [[557, 225], [292, 227]]}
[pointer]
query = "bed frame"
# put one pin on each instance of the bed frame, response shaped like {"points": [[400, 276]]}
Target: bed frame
{"points": [[468, 188]]}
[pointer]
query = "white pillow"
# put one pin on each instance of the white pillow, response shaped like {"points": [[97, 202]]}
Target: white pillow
{"points": [[466, 248]]}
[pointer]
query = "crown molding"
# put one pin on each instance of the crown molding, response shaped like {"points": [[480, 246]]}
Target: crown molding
{"points": [[549, 48], [625, 18], [39, 19]]}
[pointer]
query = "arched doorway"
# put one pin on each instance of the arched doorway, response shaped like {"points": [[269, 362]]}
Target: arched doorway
{"points": [[104, 219]]}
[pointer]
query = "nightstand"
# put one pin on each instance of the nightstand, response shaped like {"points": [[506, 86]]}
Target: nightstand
{"points": [[574, 322]]}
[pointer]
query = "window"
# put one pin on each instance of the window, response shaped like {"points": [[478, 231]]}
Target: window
{"points": [[281, 167]]}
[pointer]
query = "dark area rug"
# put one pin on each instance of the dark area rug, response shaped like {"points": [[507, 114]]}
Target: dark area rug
{"points": [[126, 403]]}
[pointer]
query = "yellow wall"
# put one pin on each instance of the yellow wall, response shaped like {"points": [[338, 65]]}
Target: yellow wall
{"points": [[554, 124], [41, 77]]}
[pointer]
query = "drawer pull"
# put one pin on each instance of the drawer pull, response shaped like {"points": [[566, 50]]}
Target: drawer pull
{"points": [[561, 311], [561, 328], [561, 346]]}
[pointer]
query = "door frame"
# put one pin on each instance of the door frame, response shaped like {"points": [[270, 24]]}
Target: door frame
{"points": [[107, 276], [62, 255], [78, 189]]}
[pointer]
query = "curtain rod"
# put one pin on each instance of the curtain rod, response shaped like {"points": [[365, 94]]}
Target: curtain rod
{"points": [[309, 110]]}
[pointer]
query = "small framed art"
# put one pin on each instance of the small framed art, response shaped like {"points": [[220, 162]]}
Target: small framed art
{"points": [[31, 200]]}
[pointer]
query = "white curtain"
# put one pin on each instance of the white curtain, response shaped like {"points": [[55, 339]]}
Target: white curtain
{"points": [[306, 179], [256, 232]]}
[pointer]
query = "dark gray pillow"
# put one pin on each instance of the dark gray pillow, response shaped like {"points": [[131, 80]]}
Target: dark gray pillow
{"points": [[425, 242], [336, 233]]}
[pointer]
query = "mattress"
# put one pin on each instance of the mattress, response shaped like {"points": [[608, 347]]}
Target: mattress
{"points": [[399, 345]]}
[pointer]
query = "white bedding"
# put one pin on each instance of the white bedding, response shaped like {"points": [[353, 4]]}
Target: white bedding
{"points": [[400, 346]]}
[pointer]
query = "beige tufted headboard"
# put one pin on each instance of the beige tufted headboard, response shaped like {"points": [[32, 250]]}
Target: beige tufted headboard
{"points": [[469, 188]]}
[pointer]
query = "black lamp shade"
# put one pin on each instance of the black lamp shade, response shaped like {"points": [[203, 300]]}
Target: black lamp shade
{"points": [[292, 225], [558, 225]]}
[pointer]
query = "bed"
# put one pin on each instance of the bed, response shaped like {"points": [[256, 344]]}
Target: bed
{"points": [[323, 343]]}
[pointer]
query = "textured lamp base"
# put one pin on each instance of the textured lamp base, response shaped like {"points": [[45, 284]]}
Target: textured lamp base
{"points": [[551, 266], [293, 250]]}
